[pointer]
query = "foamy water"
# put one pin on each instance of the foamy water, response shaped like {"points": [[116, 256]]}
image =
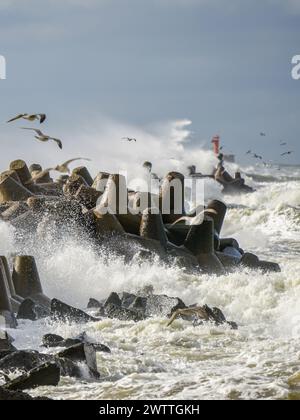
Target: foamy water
{"points": [[149, 360]]}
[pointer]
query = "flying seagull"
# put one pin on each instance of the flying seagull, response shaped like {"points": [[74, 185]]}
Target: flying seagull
{"points": [[29, 117], [263, 134], [287, 153], [64, 167], [44, 137], [249, 152], [257, 156], [283, 144], [129, 139]]}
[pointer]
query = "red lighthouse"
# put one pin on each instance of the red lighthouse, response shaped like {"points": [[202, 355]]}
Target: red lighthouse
{"points": [[216, 142]]}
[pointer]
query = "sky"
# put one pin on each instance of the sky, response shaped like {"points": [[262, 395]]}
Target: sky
{"points": [[151, 69]]}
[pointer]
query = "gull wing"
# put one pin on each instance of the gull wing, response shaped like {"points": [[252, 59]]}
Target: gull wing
{"points": [[16, 118], [39, 133]]}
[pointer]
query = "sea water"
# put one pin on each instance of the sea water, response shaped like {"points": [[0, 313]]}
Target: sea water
{"points": [[151, 361]]}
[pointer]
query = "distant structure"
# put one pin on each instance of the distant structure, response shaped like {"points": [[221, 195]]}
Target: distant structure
{"points": [[229, 158], [216, 145]]}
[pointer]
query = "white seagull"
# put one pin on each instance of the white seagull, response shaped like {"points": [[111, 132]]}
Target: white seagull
{"points": [[29, 117], [44, 137], [129, 139]]}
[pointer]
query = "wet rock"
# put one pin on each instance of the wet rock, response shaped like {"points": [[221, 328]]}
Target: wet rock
{"points": [[23, 360], [63, 312], [123, 314], [26, 360], [252, 261], [52, 340], [162, 305], [129, 307], [6, 346], [32, 311], [216, 315], [113, 299], [47, 374], [100, 348], [94, 304], [127, 299], [82, 353], [97, 346], [139, 303], [6, 395]]}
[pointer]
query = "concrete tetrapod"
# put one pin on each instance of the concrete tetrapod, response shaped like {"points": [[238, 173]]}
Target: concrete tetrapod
{"points": [[200, 241], [171, 197], [11, 190], [14, 298], [84, 173], [152, 226], [7, 318], [26, 280]]}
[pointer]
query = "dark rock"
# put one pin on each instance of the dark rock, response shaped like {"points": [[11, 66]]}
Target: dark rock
{"points": [[113, 299], [94, 304], [129, 307], [6, 346], [269, 267], [32, 311], [216, 315], [22, 360], [139, 303], [26, 360], [162, 305], [100, 348], [83, 338], [52, 340], [4, 377], [70, 342], [127, 299], [68, 368], [47, 374], [250, 260], [6, 395], [63, 312], [123, 314], [82, 353]]}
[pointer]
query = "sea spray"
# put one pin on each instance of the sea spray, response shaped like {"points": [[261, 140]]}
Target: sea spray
{"points": [[150, 360]]}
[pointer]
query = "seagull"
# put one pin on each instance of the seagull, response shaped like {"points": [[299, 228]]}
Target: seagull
{"points": [[263, 134], [283, 144], [257, 156], [29, 117], [129, 139], [44, 137], [249, 152], [64, 167], [287, 153]]}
